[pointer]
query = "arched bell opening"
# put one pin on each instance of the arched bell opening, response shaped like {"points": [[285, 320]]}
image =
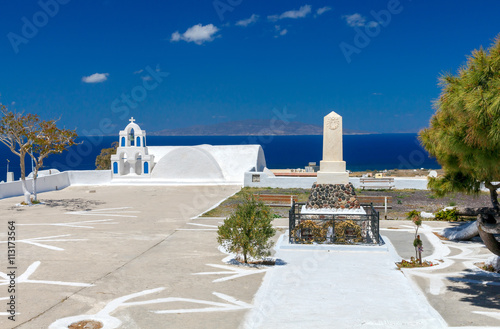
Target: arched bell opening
{"points": [[131, 137]]}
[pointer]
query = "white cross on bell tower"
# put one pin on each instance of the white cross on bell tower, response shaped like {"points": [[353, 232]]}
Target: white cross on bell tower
{"points": [[131, 119]]}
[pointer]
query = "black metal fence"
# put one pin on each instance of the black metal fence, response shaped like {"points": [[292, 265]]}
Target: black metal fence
{"points": [[333, 228]]}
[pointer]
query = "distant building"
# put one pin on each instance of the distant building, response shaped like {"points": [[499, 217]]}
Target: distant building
{"points": [[224, 164]]}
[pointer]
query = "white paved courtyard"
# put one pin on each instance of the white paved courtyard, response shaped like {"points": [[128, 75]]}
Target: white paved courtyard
{"points": [[139, 257]]}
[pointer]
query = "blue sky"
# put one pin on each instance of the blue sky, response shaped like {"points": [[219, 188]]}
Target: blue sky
{"points": [[173, 64]]}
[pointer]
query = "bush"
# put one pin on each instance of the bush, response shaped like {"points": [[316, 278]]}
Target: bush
{"points": [[248, 230], [416, 218], [450, 215], [103, 160]]}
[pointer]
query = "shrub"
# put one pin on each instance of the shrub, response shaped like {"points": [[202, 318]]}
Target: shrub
{"points": [[103, 160], [450, 215], [415, 217], [248, 230]]}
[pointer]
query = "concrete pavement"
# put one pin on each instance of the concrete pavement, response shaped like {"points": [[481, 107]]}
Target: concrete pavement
{"points": [[138, 257]]}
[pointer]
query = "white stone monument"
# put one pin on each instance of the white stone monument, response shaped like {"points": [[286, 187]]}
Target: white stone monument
{"points": [[332, 169]]}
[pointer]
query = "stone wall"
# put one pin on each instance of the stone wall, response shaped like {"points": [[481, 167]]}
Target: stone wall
{"points": [[333, 196]]}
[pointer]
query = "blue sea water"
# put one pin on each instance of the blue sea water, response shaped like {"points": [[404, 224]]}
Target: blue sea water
{"points": [[361, 152]]}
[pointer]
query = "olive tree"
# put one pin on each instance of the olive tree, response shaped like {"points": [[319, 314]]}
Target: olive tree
{"points": [[248, 230], [17, 132], [49, 139], [26, 134]]}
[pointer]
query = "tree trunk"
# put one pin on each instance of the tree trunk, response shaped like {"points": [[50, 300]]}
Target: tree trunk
{"points": [[35, 196], [463, 232], [27, 194], [35, 176], [493, 196], [489, 240], [489, 223], [472, 212]]}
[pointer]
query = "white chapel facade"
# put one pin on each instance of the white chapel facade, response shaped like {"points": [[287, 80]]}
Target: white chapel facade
{"points": [[132, 157]]}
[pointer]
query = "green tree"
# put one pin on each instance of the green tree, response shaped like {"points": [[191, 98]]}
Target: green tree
{"points": [[17, 131], [48, 139], [26, 134], [248, 230], [464, 134], [103, 160]]}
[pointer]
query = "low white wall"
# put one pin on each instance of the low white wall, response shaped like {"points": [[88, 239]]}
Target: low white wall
{"points": [[43, 184], [401, 183], [57, 182], [307, 182], [89, 177], [277, 182]]}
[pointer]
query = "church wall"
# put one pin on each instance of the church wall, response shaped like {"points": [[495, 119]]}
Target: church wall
{"points": [[231, 160]]}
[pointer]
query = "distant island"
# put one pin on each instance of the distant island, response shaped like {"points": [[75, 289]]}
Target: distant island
{"points": [[250, 128]]}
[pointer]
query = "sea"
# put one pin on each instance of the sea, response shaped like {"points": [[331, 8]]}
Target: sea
{"points": [[361, 152]]}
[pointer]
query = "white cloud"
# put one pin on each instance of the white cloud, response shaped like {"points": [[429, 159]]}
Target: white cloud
{"points": [[176, 36], [139, 71], [280, 31], [197, 34], [354, 20], [245, 22], [301, 13], [96, 78], [147, 78], [323, 10], [357, 20]]}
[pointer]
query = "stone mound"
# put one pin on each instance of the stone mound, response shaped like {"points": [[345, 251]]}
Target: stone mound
{"points": [[333, 196]]}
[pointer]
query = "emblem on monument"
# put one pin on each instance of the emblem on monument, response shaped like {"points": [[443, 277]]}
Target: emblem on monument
{"points": [[333, 123]]}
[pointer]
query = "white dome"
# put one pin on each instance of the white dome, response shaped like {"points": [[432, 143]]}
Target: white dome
{"points": [[188, 162]]}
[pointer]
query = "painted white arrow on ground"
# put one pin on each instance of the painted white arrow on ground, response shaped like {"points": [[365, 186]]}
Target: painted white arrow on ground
{"points": [[80, 224], [206, 227], [235, 271], [36, 241], [111, 322], [112, 212], [232, 305], [495, 315], [24, 278]]}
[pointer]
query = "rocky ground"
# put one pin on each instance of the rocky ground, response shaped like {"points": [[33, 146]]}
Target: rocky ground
{"points": [[403, 201]]}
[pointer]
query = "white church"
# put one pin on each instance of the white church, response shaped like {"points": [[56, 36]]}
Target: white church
{"points": [[132, 157], [136, 161]]}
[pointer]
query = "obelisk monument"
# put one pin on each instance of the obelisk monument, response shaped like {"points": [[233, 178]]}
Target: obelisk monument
{"points": [[332, 168]]}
